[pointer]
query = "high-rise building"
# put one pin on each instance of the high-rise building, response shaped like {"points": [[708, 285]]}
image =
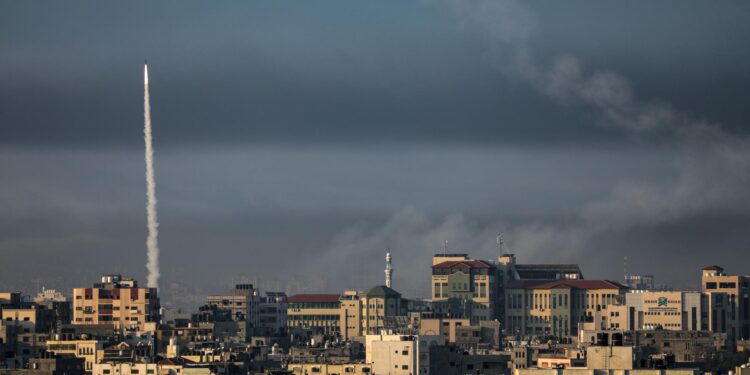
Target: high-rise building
{"points": [[116, 301], [243, 303], [736, 322]]}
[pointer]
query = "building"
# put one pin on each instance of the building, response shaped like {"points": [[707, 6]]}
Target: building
{"points": [[329, 368], [49, 365], [471, 283], [30, 318], [317, 312], [736, 288], [669, 310], [400, 354], [243, 303], [89, 350], [116, 301], [639, 282], [272, 314], [452, 360], [10, 298], [694, 348], [554, 308]]}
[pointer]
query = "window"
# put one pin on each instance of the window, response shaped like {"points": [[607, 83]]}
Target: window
{"points": [[711, 285], [105, 371], [134, 371], [405, 367]]}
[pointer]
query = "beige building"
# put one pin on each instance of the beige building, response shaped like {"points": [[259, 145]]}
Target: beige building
{"points": [[329, 368], [116, 301], [90, 350], [400, 354], [10, 298], [27, 318], [447, 327], [536, 308], [646, 310], [473, 282], [318, 312], [728, 293]]}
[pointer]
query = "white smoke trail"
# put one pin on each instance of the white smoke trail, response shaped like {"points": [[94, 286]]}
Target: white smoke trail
{"points": [[152, 242]]}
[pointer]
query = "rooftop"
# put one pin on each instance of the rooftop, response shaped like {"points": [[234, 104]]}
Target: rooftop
{"points": [[314, 298], [468, 263], [567, 284], [382, 291]]}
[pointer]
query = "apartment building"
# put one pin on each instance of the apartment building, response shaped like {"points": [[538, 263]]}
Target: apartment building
{"points": [[541, 308], [244, 304], [400, 354], [732, 292], [116, 301]]}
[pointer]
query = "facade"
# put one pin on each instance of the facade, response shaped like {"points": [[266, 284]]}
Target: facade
{"points": [[669, 310], [48, 365], [29, 318], [89, 350], [272, 314], [736, 289], [400, 354], [244, 303], [691, 347], [639, 282], [10, 298], [116, 301], [317, 312], [329, 368], [472, 283], [554, 308], [127, 368]]}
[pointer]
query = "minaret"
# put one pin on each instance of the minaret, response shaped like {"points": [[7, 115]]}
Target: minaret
{"points": [[388, 268]]}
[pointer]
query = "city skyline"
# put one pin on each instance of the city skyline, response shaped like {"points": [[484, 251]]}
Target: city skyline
{"points": [[283, 140]]}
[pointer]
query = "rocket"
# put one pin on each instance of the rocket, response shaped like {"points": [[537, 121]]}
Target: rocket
{"points": [[145, 72]]}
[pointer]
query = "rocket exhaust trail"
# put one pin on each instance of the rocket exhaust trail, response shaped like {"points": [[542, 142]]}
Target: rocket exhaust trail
{"points": [[152, 242]]}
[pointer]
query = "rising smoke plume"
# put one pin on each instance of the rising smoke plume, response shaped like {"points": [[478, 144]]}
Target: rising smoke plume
{"points": [[152, 242], [712, 165]]}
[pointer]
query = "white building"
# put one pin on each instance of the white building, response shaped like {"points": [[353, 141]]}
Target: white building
{"points": [[400, 354]]}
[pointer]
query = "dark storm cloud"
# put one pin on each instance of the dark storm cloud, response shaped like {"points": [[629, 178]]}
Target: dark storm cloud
{"points": [[389, 71]]}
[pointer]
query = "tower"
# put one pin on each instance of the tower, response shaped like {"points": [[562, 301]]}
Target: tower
{"points": [[388, 268]]}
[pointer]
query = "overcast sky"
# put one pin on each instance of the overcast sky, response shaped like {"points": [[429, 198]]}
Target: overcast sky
{"points": [[296, 141]]}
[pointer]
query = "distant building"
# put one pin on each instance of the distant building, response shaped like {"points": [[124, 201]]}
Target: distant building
{"points": [[49, 365], [272, 314], [317, 312], [639, 282], [116, 301], [554, 308], [736, 322], [669, 310], [244, 303], [400, 354], [471, 283], [87, 349]]}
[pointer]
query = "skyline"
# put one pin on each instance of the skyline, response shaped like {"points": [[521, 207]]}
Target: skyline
{"points": [[282, 140]]}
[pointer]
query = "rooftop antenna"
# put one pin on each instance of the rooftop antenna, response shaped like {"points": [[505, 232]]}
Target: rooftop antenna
{"points": [[625, 268], [445, 247]]}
